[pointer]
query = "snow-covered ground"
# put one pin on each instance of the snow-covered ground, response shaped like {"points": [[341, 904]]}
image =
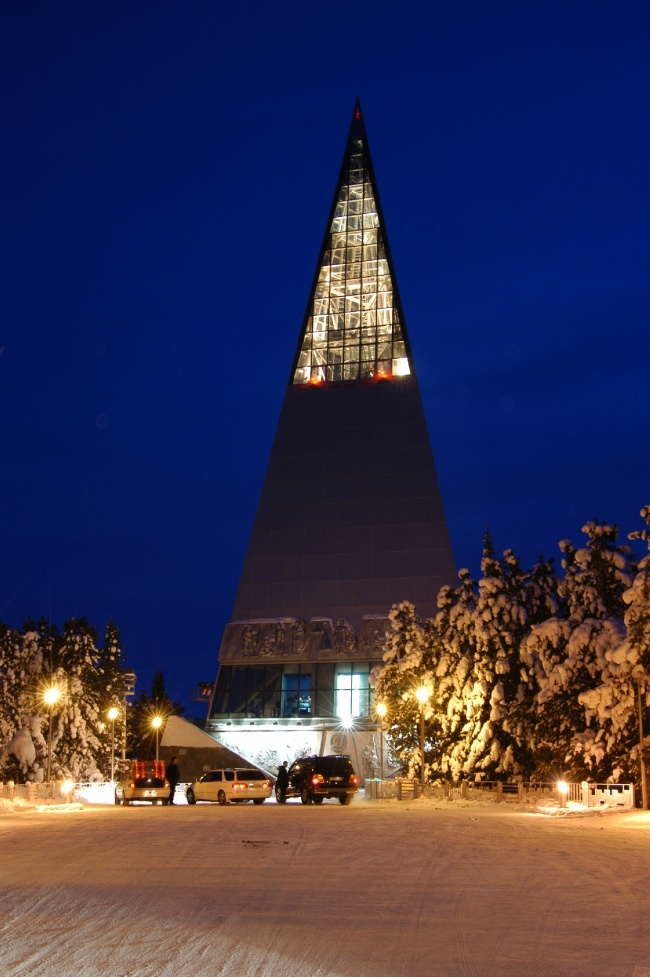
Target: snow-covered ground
{"points": [[378, 889]]}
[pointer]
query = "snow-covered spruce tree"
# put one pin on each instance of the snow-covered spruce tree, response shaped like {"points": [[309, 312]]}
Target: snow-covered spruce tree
{"points": [[80, 739], [492, 742], [89, 679], [453, 646], [408, 665], [637, 624], [568, 656], [478, 715], [20, 669]]}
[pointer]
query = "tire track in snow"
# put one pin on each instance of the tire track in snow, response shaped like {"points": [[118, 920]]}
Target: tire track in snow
{"points": [[415, 916]]}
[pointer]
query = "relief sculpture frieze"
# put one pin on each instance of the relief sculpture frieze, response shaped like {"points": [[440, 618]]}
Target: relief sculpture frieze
{"points": [[372, 637], [318, 639]]}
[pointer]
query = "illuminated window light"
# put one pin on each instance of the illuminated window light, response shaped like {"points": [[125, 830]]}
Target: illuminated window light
{"points": [[401, 367]]}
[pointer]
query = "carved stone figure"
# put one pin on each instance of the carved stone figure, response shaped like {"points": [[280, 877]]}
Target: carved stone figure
{"points": [[351, 644], [321, 632], [300, 639], [340, 637], [250, 637], [370, 760], [345, 640], [267, 648], [279, 639]]}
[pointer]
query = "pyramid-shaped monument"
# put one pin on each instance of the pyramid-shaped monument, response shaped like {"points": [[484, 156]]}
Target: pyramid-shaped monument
{"points": [[350, 518]]}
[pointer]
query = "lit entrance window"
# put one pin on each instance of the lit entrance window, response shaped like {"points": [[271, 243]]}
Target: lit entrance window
{"points": [[351, 692]]}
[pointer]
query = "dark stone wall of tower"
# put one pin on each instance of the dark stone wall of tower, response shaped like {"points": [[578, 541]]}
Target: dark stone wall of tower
{"points": [[350, 518]]}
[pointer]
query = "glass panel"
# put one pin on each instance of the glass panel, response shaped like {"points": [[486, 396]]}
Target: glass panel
{"points": [[401, 367], [273, 691], [369, 321], [238, 691], [384, 317], [255, 691], [324, 705], [223, 682], [290, 689], [335, 372], [351, 692], [354, 276], [220, 704], [304, 698], [367, 371], [343, 692]]}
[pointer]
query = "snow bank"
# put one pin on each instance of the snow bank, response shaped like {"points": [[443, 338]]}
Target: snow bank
{"points": [[19, 805]]}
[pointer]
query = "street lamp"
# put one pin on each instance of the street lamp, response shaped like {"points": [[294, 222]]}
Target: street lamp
{"points": [[422, 694], [113, 713], [129, 692], [51, 697], [381, 709], [156, 722]]}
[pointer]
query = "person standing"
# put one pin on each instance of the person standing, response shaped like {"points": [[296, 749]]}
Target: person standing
{"points": [[281, 784], [173, 775]]}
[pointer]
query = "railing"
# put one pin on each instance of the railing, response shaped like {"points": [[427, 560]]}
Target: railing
{"points": [[608, 795], [33, 793], [585, 794], [619, 796]]}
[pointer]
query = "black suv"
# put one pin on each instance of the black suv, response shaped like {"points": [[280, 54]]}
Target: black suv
{"points": [[314, 778]]}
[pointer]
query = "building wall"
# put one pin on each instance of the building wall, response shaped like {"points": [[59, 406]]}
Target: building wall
{"points": [[350, 519], [267, 747]]}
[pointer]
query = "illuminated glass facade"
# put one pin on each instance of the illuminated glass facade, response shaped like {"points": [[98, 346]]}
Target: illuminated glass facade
{"points": [[353, 329], [297, 690]]}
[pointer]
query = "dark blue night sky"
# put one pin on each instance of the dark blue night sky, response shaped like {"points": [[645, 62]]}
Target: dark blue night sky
{"points": [[167, 172]]}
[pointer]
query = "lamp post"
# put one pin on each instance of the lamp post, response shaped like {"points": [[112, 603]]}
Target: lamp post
{"points": [[156, 722], [113, 713], [639, 676], [381, 710], [129, 691], [422, 694], [51, 697]]}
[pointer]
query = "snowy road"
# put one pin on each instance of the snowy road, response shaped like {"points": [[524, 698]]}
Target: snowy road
{"points": [[373, 890]]}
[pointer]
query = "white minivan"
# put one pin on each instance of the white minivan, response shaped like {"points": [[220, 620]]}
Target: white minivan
{"points": [[230, 784]]}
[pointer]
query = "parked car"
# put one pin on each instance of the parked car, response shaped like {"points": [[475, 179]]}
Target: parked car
{"points": [[146, 783], [314, 778], [235, 784]]}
